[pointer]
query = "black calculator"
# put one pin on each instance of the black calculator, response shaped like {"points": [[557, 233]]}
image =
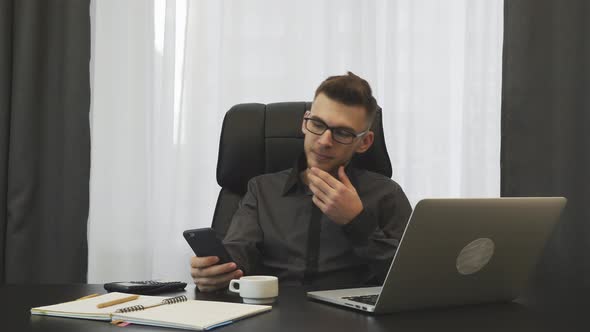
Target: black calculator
{"points": [[147, 287]]}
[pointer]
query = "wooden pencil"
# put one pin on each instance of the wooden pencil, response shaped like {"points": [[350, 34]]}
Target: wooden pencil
{"points": [[117, 301]]}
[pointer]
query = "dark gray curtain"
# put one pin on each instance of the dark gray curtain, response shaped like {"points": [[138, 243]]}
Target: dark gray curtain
{"points": [[546, 131], [44, 140]]}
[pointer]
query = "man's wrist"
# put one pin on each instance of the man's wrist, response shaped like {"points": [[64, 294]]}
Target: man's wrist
{"points": [[355, 216]]}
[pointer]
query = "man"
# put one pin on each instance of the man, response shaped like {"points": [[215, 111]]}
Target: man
{"points": [[322, 222]]}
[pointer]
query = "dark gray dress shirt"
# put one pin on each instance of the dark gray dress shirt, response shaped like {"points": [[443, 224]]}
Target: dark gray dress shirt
{"points": [[269, 233]]}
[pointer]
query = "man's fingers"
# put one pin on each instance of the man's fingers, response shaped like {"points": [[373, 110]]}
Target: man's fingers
{"points": [[209, 277], [320, 184], [327, 177], [217, 269], [217, 282], [201, 262], [344, 178], [318, 193], [220, 280], [319, 203]]}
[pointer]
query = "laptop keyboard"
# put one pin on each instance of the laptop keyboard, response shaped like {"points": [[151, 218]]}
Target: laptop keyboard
{"points": [[366, 299]]}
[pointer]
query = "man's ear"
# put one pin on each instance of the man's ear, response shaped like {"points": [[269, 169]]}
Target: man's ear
{"points": [[366, 142], [305, 115]]}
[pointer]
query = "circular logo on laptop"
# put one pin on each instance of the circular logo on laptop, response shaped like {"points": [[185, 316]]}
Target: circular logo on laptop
{"points": [[475, 256]]}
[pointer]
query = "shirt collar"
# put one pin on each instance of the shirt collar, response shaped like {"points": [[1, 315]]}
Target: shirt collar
{"points": [[294, 180]]}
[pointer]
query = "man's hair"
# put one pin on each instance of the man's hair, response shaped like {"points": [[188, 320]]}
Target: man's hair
{"points": [[350, 90]]}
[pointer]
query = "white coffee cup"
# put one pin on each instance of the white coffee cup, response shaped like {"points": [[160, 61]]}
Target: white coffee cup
{"points": [[256, 289]]}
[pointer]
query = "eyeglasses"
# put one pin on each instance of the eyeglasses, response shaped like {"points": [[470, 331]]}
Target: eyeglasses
{"points": [[340, 135]]}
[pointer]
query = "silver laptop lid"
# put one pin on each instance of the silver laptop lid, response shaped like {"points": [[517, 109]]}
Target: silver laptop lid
{"points": [[461, 251]]}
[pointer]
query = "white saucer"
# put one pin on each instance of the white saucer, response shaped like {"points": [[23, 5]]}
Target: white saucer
{"points": [[267, 300]]}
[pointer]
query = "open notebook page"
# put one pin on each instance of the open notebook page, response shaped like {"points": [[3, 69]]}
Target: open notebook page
{"points": [[87, 308], [193, 314]]}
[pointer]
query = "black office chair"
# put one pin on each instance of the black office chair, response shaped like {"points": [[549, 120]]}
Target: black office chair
{"points": [[258, 139]]}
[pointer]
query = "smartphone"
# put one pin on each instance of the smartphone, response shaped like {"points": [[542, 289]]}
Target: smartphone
{"points": [[204, 242]]}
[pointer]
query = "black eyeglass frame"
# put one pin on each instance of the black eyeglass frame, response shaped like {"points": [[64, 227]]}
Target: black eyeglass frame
{"points": [[353, 135]]}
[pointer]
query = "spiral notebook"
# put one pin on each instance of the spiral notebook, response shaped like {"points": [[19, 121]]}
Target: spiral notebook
{"points": [[176, 312]]}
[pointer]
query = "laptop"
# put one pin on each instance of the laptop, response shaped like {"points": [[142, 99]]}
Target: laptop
{"points": [[459, 251]]}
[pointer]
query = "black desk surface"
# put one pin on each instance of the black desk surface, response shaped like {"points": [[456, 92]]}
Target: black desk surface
{"points": [[292, 312]]}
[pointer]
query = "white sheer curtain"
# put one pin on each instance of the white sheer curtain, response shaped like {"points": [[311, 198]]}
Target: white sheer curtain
{"points": [[165, 72]]}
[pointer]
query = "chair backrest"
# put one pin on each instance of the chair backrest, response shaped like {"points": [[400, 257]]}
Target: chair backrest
{"points": [[258, 139]]}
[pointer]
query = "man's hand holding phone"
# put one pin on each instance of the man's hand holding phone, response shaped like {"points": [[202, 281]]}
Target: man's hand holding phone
{"points": [[212, 267], [210, 276]]}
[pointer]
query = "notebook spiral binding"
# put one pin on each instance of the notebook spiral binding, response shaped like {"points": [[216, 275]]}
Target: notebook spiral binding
{"points": [[130, 309], [176, 299], [171, 300]]}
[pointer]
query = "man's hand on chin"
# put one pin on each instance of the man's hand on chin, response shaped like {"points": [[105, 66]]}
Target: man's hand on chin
{"points": [[337, 198]]}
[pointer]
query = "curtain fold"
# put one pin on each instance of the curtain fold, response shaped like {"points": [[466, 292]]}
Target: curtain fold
{"points": [[44, 140], [545, 125]]}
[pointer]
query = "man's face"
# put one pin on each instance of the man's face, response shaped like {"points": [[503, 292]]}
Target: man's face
{"points": [[322, 151]]}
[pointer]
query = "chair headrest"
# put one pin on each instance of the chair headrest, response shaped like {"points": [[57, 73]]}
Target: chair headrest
{"points": [[258, 139]]}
